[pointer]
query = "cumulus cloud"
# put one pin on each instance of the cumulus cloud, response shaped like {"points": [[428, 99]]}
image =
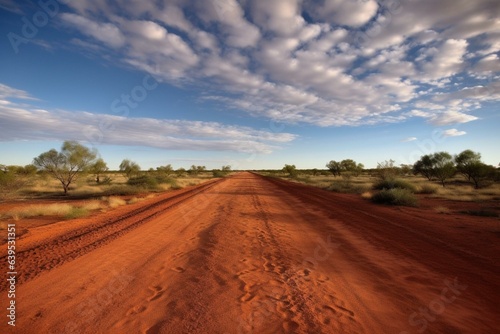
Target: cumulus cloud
{"points": [[354, 13], [453, 133], [327, 63], [21, 122]]}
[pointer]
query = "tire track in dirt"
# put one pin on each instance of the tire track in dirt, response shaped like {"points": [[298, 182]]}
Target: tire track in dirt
{"points": [[251, 256], [46, 256]]}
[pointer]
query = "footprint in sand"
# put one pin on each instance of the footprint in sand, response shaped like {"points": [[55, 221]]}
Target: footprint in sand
{"points": [[136, 310], [157, 292], [179, 269]]}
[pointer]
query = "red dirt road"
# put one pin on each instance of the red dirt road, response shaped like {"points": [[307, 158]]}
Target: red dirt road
{"points": [[249, 254]]}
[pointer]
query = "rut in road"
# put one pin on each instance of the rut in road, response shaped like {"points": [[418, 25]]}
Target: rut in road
{"points": [[35, 260], [255, 255]]}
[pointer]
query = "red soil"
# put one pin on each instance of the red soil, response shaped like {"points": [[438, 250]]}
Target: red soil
{"points": [[249, 254]]}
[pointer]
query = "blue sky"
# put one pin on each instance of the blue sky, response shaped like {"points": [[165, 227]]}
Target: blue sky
{"points": [[253, 84]]}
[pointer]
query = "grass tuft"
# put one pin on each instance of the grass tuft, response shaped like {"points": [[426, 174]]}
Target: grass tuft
{"points": [[427, 189], [396, 196], [394, 184]]}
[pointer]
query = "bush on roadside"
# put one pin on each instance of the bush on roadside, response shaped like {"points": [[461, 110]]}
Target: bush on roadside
{"points": [[144, 181], [346, 187], [395, 196], [122, 190], [427, 189], [394, 184]]}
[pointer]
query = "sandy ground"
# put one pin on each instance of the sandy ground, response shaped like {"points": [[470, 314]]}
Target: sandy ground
{"points": [[253, 255]]}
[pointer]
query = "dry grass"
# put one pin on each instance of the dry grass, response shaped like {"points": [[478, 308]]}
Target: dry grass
{"points": [[134, 200], [357, 185], [467, 193], [65, 210], [86, 187], [114, 202]]}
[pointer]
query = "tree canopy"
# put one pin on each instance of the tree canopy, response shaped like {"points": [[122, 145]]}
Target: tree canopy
{"points": [[66, 164]]}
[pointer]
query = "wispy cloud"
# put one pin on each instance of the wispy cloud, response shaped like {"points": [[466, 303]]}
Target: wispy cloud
{"points": [[21, 122], [453, 133], [409, 139]]}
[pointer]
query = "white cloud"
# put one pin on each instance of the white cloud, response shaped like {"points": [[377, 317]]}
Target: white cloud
{"points": [[453, 133], [446, 61], [351, 62], [451, 117], [279, 16], [489, 63], [107, 33], [409, 139], [7, 92], [21, 122], [354, 13]]}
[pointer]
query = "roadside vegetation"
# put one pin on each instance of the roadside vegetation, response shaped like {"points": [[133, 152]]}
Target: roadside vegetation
{"points": [[78, 173], [463, 177], [75, 182]]}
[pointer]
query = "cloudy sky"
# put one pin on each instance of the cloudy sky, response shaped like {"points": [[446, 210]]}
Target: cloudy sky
{"points": [[250, 83]]}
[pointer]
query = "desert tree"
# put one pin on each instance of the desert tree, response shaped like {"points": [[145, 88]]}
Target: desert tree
{"points": [[180, 171], [405, 169], [469, 164], [334, 167], [424, 166], [98, 168], [195, 170], [167, 169], [290, 170], [129, 168], [65, 165], [387, 169], [443, 166]]}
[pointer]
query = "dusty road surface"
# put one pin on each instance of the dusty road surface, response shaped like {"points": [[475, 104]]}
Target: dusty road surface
{"points": [[253, 255]]}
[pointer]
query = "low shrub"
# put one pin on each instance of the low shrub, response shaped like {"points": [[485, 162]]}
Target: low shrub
{"points": [[394, 184], [122, 190], [143, 181], [395, 196], [427, 189], [346, 187]]}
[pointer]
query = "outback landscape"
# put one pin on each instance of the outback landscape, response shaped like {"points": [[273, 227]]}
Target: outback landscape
{"points": [[250, 167], [272, 251]]}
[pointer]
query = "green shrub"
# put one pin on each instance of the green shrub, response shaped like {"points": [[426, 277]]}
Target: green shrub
{"points": [[346, 187], [394, 184], [218, 173], [165, 179], [143, 181], [121, 190], [395, 196]]}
